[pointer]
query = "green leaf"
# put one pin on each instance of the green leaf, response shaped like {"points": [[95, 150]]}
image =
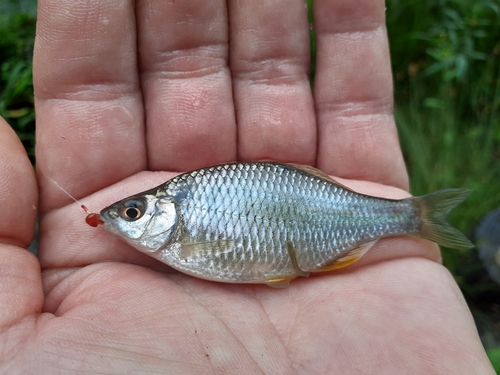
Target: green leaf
{"points": [[434, 103], [494, 356]]}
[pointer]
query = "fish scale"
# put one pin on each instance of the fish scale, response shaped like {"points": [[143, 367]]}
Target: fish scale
{"points": [[269, 222]]}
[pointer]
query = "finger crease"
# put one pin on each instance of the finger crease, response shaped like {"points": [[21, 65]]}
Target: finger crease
{"points": [[374, 106], [91, 92], [273, 71], [206, 71], [365, 33]]}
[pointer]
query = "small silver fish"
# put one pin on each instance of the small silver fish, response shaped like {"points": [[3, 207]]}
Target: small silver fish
{"points": [[271, 222]]}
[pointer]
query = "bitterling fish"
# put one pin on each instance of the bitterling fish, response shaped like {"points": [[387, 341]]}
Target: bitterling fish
{"points": [[271, 222]]}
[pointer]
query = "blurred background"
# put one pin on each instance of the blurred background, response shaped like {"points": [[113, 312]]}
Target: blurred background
{"points": [[446, 65]]}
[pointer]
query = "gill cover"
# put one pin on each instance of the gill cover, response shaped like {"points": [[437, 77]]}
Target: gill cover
{"points": [[145, 222]]}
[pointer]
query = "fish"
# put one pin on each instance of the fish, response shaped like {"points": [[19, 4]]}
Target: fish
{"points": [[269, 223]]}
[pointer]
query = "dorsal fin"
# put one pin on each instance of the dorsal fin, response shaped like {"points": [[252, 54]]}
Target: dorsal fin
{"points": [[317, 173]]}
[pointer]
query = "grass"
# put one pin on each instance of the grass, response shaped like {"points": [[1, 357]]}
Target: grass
{"points": [[494, 356], [17, 35], [446, 63]]}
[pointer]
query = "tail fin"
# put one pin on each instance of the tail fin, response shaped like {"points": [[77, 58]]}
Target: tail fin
{"points": [[434, 208]]}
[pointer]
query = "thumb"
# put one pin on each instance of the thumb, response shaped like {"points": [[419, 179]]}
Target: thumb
{"points": [[20, 280]]}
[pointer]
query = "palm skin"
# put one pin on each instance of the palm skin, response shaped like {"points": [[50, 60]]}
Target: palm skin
{"points": [[123, 92]]}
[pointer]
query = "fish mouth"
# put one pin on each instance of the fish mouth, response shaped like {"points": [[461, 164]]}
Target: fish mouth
{"points": [[107, 215]]}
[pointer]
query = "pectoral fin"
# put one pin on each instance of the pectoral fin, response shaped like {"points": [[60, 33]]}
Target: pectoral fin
{"points": [[206, 249], [351, 257]]}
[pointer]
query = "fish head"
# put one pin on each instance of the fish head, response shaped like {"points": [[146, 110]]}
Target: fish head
{"points": [[147, 222]]}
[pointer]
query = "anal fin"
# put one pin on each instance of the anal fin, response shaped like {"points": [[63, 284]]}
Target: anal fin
{"points": [[351, 257]]}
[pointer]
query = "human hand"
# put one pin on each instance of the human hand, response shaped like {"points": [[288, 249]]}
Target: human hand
{"points": [[123, 92]]}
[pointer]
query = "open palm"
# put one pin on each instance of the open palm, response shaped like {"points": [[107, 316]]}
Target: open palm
{"points": [[124, 91]]}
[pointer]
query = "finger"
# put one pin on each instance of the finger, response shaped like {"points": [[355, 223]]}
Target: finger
{"points": [[20, 283], [18, 190], [88, 100], [269, 60], [21, 292], [353, 93], [186, 83]]}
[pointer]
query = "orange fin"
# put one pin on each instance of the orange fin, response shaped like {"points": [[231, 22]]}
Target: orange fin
{"points": [[317, 173], [293, 259], [279, 282], [351, 257]]}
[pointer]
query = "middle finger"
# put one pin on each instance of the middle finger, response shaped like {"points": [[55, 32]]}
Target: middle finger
{"points": [[269, 60], [186, 83]]}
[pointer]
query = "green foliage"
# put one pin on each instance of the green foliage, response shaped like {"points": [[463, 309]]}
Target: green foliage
{"points": [[17, 33], [494, 356], [452, 46]]}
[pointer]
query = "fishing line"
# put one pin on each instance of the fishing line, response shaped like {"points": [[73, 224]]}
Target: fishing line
{"points": [[69, 195]]}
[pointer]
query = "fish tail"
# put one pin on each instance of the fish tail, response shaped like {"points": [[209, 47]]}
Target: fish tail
{"points": [[433, 210]]}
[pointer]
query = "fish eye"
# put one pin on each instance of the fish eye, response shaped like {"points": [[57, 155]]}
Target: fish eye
{"points": [[133, 209]]}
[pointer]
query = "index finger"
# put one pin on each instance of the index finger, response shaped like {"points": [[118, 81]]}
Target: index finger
{"points": [[90, 129], [353, 93]]}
